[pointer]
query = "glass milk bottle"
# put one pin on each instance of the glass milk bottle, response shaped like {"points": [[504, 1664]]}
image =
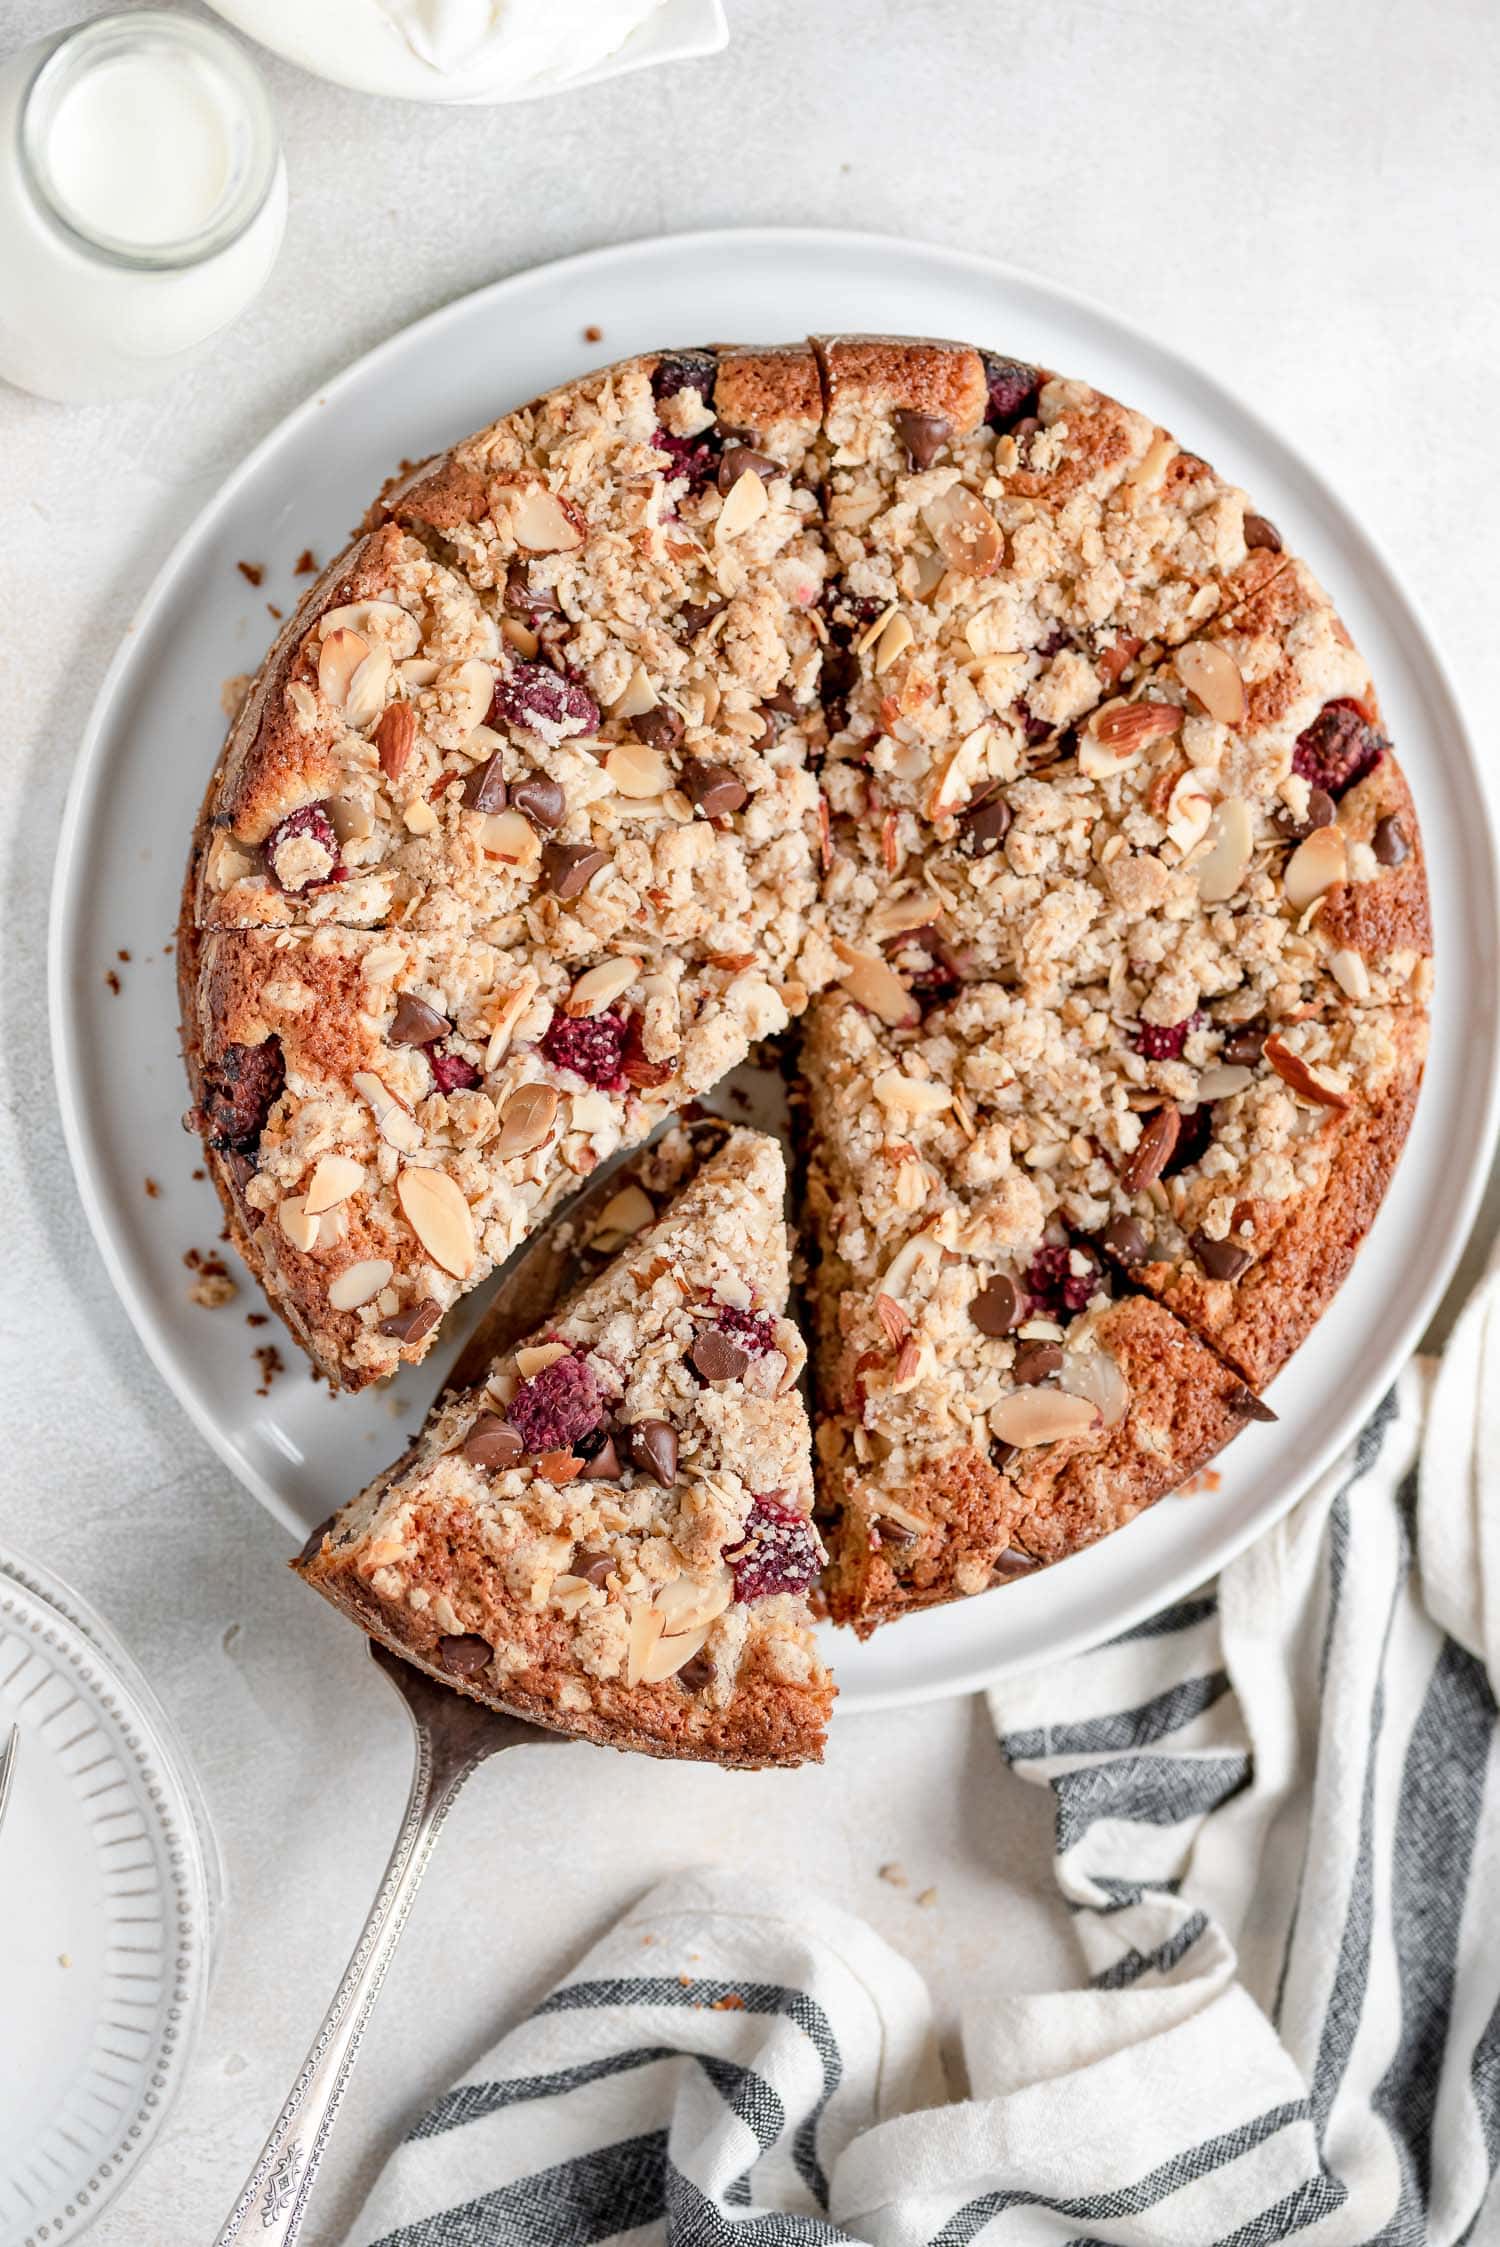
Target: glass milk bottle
{"points": [[142, 201]]}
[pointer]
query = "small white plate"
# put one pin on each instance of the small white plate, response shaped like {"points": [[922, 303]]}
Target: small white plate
{"points": [[355, 43], [155, 732], [108, 1887]]}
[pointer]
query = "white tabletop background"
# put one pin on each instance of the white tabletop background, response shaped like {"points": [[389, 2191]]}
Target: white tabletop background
{"points": [[1303, 195]]}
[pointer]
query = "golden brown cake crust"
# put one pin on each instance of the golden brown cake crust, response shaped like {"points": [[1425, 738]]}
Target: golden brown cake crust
{"points": [[902, 374]]}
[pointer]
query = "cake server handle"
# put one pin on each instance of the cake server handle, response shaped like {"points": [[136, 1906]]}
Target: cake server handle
{"points": [[454, 1735]]}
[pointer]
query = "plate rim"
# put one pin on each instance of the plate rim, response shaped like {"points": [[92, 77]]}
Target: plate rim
{"points": [[187, 1855], [1379, 574]]}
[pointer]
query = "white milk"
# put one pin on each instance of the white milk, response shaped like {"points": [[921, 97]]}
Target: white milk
{"points": [[142, 201]]}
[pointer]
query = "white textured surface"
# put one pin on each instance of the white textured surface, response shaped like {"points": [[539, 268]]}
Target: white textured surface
{"points": [[1301, 198]]}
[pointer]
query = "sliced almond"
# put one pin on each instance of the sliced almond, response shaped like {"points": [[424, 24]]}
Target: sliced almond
{"points": [[300, 1229], [871, 983], [646, 1625], [1309, 1078], [600, 986], [519, 636], [591, 1111], [334, 1179], [1153, 1150], [893, 642], [621, 1218], [531, 1362], [396, 1124], [352, 820], [1028, 1417], [397, 628], [1230, 841], [895, 1320], [507, 836], [1349, 972], [922, 1253], [669, 1655], [691, 1603], [395, 733], [359, 1283], [1153, 464], [636, 769], [419, 818], [1319, 861], [1212, 677], [959, 776], [965, 533], [639, 696], [543, 523], [442, 1220], [1095, 1376], [1224, 1080], [339, 658], [1189, 810], [745, 505], [527, 1118], [469, 688], [911, 1096], [900, 917]]}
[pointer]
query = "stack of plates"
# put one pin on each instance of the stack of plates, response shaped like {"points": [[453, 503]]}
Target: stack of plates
{"points": [[109, 1885]]}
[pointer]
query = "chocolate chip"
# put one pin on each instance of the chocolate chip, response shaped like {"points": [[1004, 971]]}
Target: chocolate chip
{"points": [[1261, 531], [414, 1323], [985, 824], [697, 616], [717, 1357], [492, 1443], [542, 800], [1013, 1562], [1221, 1260], [662, 728], [1243, 1400], [1389, 842], [997, 1306], [737, 458], [898, 1533], [696, 1674], [924, 436], [568, 868], [602, 1465], [1001, 1455], [593, 1567], [1036, 1361], [522, 598], [1244, 1049], [1124, 1241], [484, 790], [1153, 1150], [715, 789], [1321, 812], [653, 1447], [416, 1023], [466, 1656]]}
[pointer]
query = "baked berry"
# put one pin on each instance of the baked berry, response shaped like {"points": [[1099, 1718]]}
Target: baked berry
{"points": [[239, 1094], [779, 1551], [685, 370], [696, 458], [302, 850], [543, 700], [1164, 1041], [1338, 748], [1054, 1284], [452, 1073], [591, 1045], [1013, 388], [552, 1409]]}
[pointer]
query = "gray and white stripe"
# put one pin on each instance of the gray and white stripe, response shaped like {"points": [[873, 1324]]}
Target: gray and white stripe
{"points": [[1277, 1811]]}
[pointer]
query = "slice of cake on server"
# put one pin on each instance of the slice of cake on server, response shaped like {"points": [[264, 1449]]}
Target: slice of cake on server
{"points": [[612, 1535]]}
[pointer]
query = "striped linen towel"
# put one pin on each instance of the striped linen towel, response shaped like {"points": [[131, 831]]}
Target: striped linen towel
{"points": [[1278, 1830]]}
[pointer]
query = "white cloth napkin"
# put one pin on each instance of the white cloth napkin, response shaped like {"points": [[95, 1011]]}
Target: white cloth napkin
{"points": [[508, 45], [1278, 1829]]}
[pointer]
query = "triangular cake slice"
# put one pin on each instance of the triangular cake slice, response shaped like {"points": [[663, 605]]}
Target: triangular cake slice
{"points": [[612, 1535]]}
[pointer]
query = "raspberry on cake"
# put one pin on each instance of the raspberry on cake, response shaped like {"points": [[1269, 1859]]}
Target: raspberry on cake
{"points": [[604, 1538]]}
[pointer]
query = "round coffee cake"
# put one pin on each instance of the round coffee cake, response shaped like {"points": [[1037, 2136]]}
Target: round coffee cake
{"points": [[924, 710]]}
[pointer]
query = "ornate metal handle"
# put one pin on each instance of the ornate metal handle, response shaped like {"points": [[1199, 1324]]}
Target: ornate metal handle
{"points": [[273, 2205]]}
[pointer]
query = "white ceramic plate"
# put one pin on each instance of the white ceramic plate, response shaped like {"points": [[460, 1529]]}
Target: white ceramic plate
{"points": [[155, 732], [108, 1886], [355, 43]]}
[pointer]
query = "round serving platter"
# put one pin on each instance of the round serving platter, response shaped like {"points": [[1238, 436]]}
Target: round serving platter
{"points": [[155, 731]]}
